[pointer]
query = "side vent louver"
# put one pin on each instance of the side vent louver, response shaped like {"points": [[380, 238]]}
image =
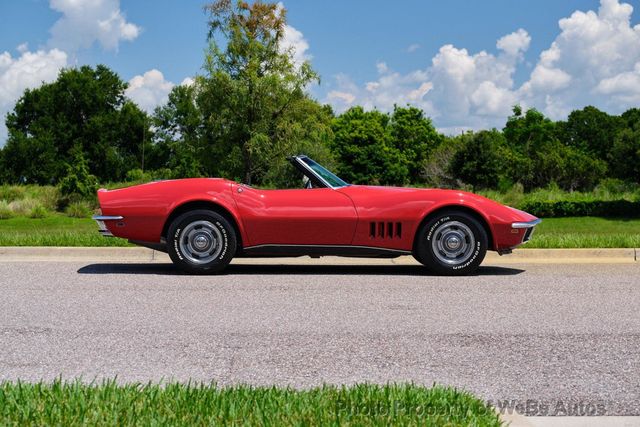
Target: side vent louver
{"points": [[385, 230]]}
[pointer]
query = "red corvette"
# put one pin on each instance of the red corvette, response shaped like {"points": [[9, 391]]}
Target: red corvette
{"points": [[204, 222]]}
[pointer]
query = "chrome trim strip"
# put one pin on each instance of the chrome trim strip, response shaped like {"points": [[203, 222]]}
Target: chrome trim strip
{"points": [[529, 224], [271, 245], [107, 217]]}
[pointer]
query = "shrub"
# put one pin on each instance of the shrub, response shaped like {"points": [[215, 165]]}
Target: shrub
{"points": [[137, 175], [610, 186], [10, 193], [38, 212], [78, 210], [49, 197], [5, 211], [78, 180], [23, 207], [565, 208]]}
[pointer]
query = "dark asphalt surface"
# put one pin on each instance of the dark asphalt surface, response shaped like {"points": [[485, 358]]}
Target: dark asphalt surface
{"points": [[548, 334]]}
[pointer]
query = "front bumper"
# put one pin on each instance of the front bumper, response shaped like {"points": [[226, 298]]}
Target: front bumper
{"points": [[102, 227], [529, 226]]}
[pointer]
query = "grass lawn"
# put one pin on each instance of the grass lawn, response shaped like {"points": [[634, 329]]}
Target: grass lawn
{"points": [[583, 232], [110, 404], [54, 230], [586, 232]]}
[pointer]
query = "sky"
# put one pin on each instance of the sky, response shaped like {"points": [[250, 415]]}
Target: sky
{"points": [[465, 63]]}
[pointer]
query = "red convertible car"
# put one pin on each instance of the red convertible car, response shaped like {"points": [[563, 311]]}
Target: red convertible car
{"points": [[204, 222]]}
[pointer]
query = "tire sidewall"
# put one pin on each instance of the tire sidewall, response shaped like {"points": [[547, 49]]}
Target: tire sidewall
{"points": [[228, 241], [427, 234]]}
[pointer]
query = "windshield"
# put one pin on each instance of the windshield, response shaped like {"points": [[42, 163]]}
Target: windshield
{"points": [[329, 177]]}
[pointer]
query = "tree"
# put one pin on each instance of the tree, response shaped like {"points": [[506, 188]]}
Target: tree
{"points": [[414, 135], [479, 161], [364, 150], [180, 142], [539, 158], [251, 89], [625, 155], [590, 130], [84, 109]]}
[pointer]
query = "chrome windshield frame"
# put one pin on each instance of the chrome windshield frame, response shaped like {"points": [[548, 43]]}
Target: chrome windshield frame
{"points": [[305, 166]]}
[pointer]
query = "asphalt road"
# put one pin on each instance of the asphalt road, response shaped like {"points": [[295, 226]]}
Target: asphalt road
{"points": [[558, 335]]}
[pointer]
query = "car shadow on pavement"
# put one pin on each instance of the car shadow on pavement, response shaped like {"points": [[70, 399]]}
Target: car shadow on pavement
{"points": [[272, 269]]}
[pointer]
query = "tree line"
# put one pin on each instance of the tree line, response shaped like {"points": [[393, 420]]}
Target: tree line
{"points": [[250, 109]]}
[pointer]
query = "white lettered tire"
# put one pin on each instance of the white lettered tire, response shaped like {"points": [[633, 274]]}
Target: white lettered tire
{"points": [[201, 242], [451, 243]]}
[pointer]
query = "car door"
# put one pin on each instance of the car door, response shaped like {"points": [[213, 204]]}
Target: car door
{"points": [[312, 216]]}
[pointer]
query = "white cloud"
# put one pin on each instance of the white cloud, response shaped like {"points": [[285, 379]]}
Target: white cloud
{"points": [[594, 60], [515, 43], [458, 89], [85, 22], [293, 40], [344, 97], [149, 90], [27, 71], [594, 55], [188, 81], [624, 87], [413, 47]]}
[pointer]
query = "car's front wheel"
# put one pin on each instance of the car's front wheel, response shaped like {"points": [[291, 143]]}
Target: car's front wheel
{"points": [[451, 243], [201, 241]]}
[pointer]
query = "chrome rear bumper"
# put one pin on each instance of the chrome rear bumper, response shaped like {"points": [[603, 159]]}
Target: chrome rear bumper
{"points": [[102, 228]]}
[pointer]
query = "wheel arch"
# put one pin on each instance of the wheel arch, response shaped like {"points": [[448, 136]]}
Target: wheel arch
{"points": [[208, 205], [456, 207]]}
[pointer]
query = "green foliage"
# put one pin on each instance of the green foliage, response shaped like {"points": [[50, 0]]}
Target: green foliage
{"points": [[180, 140], [624, 157], [84, 109], [79, 210], [249, 94], [539, 158], [436, 170], [177, 404], [590, 130], [5, 211], [565, 208], [479, 161], [414, 135], [364, 150], [78, 182], [9, 193], [38, 211]]}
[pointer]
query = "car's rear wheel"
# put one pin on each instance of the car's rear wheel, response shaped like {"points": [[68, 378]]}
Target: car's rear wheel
{"points": [[201, 241], [451, 243]]}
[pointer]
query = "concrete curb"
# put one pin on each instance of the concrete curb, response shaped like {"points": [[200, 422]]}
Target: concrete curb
{"points": [[520, 256], [517, 420]]}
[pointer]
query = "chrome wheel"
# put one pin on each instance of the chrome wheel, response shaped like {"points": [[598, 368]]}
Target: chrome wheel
{"points": [[453, 243], [201, 242]]}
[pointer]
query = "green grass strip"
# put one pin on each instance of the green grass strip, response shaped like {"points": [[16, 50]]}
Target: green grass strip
{"points": [[54, 230], [175, 404], [579, 232]]}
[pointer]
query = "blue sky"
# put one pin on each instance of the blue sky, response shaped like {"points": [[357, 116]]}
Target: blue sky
{"points": [[464, 62]]}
